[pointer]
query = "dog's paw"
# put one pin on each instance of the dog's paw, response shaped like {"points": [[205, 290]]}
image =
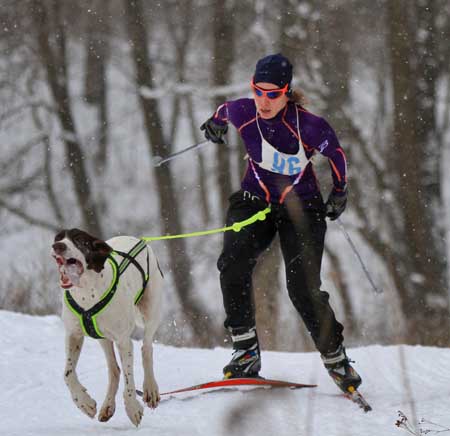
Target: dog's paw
{"points": [[106, 412], [135, 411], [151, 395], [86, 404]]}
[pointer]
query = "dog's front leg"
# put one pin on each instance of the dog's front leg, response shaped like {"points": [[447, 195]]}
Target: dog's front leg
{"points": [[109, 405], [80, 397], [132, 406]]}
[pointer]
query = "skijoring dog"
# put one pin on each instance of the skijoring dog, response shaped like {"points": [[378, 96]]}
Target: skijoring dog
{"points": [[109, 288]]}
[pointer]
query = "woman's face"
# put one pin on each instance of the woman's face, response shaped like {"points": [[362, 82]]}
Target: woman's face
{"points": [[267, 107]]}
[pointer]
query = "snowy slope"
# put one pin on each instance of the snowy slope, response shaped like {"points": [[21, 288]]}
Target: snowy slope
{"points": [[34, 399]]}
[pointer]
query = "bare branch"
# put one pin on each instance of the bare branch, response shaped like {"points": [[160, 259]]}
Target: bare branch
{"points": [[22, 185], [20, 153], [15, 111], [28, 218]]}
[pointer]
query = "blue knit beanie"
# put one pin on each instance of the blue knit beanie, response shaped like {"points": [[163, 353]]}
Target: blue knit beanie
{"points": [[274, 69]]}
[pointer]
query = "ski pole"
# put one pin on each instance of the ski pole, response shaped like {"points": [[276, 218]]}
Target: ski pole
{"points": [[366, 271], [158, 160]]}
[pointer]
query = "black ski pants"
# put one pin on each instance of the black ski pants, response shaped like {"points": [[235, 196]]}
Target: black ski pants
{"points": [[301, 227]]}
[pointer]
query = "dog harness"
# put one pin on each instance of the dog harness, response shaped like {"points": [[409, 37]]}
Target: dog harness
{"points": [[88, 318]]}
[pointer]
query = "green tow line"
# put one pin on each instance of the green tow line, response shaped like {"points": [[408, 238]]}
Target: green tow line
{"points": [[236, 227]]}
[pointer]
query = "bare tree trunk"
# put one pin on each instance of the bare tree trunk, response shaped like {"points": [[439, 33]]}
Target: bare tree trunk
{"points": [[202, 179], [55, 65], [181, 42], [95, 86], [424, 293], [49, 181], [49, 184], [223, 55], [290, 44], [169, 213]]}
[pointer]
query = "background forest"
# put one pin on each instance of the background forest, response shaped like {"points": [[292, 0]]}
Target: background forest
{"points": [[92, 91]]}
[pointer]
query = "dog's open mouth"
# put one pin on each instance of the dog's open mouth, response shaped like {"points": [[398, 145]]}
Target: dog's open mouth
{"points": [[70, 271]]}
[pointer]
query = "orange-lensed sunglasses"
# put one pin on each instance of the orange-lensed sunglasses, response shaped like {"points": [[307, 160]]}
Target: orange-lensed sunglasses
{"points": [[271, 94]]}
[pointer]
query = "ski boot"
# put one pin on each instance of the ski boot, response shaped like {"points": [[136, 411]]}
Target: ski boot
{"points": [[246, 360], [340, 370]]}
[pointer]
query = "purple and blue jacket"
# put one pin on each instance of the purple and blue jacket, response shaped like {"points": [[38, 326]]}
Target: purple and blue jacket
{"points": [[281, 132]]}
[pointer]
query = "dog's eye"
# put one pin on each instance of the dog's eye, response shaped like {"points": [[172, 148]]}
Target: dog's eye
{"points": [[71, 261]]}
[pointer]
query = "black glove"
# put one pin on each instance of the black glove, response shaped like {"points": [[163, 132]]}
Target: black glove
{"points": [[335, 204], [213, 131]]}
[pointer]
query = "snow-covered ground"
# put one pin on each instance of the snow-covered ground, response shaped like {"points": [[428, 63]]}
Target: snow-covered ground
{"points": [[34, 399]]}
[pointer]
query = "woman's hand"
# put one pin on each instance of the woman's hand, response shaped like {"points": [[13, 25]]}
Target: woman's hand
{"points": [[336, 203], [214, 132]]}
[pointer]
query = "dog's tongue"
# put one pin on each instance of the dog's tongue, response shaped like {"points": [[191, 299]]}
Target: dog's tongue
{"points": [[65, 281]]}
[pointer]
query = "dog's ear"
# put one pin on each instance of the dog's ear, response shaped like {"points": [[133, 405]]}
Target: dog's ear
{"points": [[96, 258], [60, 235]]}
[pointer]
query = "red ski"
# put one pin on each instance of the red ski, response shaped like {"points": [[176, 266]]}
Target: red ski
{"points": [[233, 382]]}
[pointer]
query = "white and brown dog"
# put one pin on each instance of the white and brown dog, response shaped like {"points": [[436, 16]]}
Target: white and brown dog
{"points": [[110, 287]]}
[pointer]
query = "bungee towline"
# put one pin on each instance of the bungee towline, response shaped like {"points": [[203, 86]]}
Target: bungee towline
{"points": [[236, 227]]}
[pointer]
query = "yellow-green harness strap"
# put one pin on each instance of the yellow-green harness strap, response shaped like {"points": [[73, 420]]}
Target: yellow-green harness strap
{"points": [[236, 227], [88, 318]]}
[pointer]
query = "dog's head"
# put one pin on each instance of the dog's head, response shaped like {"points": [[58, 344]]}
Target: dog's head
{"points": [[74, 252]]}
